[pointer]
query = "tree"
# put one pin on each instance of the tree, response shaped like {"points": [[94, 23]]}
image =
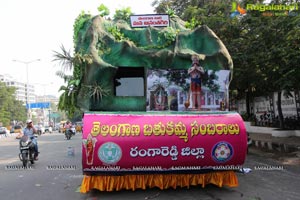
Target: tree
{"points": [[17, 111], [248, 78], [280, 59], [10, 108], [123, 14], [76, 63], [271, 48], [161, 6]]}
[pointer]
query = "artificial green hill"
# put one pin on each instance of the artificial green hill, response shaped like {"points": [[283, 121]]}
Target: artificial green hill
{"points": [[114, 44]]}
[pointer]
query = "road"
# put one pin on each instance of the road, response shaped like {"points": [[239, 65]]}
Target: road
{"points": [[279, 181]]}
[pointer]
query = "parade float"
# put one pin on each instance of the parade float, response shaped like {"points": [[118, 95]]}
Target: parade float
{"points": [[147, 121]]}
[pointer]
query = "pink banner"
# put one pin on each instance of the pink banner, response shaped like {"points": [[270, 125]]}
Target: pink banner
{"points": [[131, 143]]}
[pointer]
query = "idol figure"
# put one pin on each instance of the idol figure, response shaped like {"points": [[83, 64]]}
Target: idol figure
{"points": [[195, 72]]}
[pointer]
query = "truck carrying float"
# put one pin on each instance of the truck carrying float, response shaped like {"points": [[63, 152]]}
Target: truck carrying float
{"points": [[155, 102]]}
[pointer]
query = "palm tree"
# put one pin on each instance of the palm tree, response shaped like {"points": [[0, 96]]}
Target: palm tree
{"points": [[68, 99], [77, 63]]}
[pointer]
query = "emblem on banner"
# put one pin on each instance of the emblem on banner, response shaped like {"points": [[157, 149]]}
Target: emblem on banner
{"points": [[109, 153], [222, 152]]}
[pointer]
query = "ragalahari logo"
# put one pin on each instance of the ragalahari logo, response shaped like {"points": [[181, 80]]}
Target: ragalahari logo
{"points": [[237, 10]]}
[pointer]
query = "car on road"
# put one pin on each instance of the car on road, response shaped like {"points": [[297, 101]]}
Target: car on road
{"points": [[4, 131]]}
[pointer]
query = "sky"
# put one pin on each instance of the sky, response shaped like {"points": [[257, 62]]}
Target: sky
{"points": [[34, 29]]}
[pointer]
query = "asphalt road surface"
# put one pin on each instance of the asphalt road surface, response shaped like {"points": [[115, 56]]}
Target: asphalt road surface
{"points": [[58, 175]]}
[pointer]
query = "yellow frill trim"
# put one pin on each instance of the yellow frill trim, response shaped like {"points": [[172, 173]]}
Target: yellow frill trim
{"points": [[162, 181]]}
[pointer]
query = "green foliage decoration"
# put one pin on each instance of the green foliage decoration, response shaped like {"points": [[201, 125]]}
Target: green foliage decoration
{"points": [[103, 10], [165, 39], [116, 32], [170, 12], [102, 48], [81, 61], [193, 23], [79, 23], [96, 91], [168, 35]]}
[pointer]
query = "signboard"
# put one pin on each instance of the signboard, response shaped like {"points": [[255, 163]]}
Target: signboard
{"points": [[138, 21], [161, 143], [38, 105]]}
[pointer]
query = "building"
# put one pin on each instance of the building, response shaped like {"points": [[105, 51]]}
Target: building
{"points": [[41, 115], [22, 88], [47, 98], [262, 105]]}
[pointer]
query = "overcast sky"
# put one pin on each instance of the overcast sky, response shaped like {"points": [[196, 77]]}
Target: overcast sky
{"points": [[33, 29]]}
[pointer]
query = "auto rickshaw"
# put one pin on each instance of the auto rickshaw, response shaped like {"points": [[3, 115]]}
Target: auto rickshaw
{"points": [[78, 126], [61, 127]]}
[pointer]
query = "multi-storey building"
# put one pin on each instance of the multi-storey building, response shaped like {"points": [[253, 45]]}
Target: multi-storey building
{"points": [[23, 91]]}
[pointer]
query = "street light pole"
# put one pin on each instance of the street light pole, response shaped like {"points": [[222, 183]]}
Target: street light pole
{"points": [[27, 84], [49, 117]]}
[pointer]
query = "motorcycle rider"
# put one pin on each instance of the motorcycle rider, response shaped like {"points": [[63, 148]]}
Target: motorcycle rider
{"points": [[68, 127], [29, 131]]}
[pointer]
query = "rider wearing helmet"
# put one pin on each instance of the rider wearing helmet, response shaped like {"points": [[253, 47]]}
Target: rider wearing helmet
{"points": [[29, 131]]}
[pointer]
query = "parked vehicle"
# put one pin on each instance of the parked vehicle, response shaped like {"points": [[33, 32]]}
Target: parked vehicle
{"points": [[26, 154], [4, 131]]}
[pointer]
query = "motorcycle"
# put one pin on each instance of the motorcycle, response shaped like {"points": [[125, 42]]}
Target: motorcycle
{"points": [[39, 132], [73, 129], [68, 134], [27, 151]]}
